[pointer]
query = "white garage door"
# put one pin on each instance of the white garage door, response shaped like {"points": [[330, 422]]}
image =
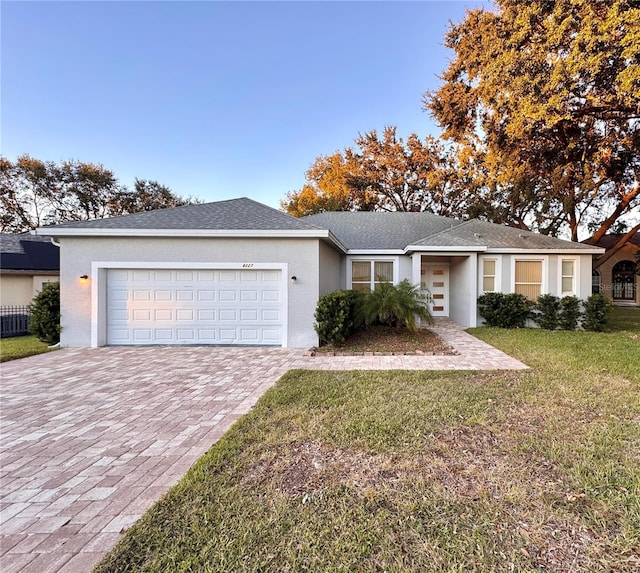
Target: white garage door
{"points": [[167, 306]]}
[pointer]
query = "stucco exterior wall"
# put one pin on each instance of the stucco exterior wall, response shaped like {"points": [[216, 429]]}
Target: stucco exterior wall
{"points": [[463, 289], [77, 256], [19, 289], [15, 290], [331, 264]]}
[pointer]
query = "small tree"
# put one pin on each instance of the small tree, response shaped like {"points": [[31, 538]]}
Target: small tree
{"points": [[396, 305], [44, 321]]}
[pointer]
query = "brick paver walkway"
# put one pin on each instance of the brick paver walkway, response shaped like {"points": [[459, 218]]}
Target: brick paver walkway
{"points": [[91, 438]]}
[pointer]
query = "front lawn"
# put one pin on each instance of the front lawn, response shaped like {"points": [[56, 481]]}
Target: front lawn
{"points": [[533, 470], [20, 347]]}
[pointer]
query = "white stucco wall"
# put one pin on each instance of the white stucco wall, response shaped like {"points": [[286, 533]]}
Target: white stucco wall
{"points": [[331, 269], [463, 289], [77, 256], [552, 270]]}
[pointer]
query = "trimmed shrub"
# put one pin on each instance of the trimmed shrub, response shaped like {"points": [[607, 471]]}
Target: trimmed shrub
{"points": [[337, 316], [505, 310], [44, 322], [570, 312], [546, 312], [596, 309], [396, 305]]}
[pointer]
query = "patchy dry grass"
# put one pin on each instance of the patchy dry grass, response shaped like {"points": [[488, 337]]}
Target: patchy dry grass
{"points": [[420, 471]]}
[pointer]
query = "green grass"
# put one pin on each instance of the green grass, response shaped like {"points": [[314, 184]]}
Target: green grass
{"points": [[20, 347], [533, 470], [624, 318]]}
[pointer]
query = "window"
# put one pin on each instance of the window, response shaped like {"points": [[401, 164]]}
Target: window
{"points": [[595, 282], [365, 275], [568, 277], [528, 279], [488, 275]]}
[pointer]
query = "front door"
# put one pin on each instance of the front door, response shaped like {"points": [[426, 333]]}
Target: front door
{"points": [[624, 281], [435, 280]]}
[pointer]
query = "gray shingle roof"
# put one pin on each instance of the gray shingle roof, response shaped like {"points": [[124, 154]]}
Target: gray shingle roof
{"points": [[383, 230], [380, 230], [493, 236], [234, 214]]}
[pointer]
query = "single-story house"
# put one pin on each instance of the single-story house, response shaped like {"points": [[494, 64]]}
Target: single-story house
{"points": [[240, 272], [27, 264], [616, 277]]}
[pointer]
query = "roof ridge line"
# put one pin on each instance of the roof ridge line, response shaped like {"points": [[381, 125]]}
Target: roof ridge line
{"points": [[461, 224]]}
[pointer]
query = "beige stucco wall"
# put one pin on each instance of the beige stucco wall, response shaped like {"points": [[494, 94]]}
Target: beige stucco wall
{"points": [[78, 254], [19, 290], [626, 253]]}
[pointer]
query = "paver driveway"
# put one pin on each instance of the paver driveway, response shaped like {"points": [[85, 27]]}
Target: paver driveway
{"points": [[92, 437]]}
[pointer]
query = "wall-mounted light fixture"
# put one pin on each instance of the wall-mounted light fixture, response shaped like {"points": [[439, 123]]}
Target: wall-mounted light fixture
{"points": [[84, 278], [294, 278]]}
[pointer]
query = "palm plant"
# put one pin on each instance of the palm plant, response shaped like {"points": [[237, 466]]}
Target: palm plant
{"points": [[396, 305]]}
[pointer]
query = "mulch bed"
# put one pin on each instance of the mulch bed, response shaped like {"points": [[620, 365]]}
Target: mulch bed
{"points": [[387, 341]]}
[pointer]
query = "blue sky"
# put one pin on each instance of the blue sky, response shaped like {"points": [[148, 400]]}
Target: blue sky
{"points": [[215, 99]]}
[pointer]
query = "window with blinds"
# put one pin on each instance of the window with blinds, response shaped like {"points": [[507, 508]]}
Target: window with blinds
{"points": [[488, 275], [366, 275], [568, 274], [529, 279]]}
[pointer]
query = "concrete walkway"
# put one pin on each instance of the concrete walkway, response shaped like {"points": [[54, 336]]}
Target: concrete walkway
{"points": [[91, 438]]}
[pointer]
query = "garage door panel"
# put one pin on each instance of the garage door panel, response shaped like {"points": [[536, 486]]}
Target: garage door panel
{"points": [[228, 295], [270, 315], [141, 314], [141, 276], [161, 314], [168, 306], [163, 295], [184, 314], [270, 295]]}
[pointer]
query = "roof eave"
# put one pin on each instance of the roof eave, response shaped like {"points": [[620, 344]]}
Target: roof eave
{"points": [[221, 233], [555, 251], [449, 249]]}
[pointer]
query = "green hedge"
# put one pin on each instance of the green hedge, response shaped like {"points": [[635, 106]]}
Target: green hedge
{"points": [[505, 310], [337, 316], [549, 312]]}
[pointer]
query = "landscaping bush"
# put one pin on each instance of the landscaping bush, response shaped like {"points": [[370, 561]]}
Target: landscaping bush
{"points": [[546, 312], [337, 316], [505, 310], [44, 322], [570, 312], [596, 308], [396, 305]]}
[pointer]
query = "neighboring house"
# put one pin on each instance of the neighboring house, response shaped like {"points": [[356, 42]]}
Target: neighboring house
{"points": [[27, 264], [239, 272], [616, 278]]}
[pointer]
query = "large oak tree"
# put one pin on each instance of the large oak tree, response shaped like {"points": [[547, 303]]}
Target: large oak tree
{"points": [[545, 95], [385, 173], [34, 193]]}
